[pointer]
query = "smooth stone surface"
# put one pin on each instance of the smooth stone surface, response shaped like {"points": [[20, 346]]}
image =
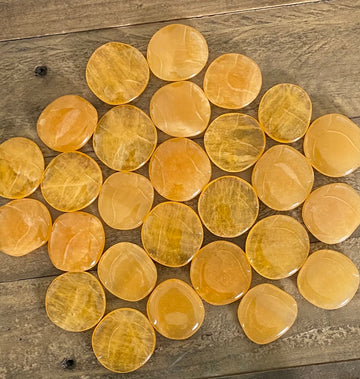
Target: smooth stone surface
{"points": [[180, 109], [228, 206], [282, 178], [332, 212], [175, 310], [77, 241], [266, 312], [125, 138], [234, 141], [117, 73], [25, 225], [75, 301], [71, 182], [332, 144], [220, 273], [277, 246], [232, 81], [328, 279], [177, 52], [124, 340], [179, 169], [67, 123], [125, 199], [285, 112], [172, 233], [21, 167]]}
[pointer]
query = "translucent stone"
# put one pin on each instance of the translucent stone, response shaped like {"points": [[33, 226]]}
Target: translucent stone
{"points": [[277, 246], [332, 212], [180, 109], [127, 271], [21, 167], [125, 138], [75, 301], [266, 312], [175, 310], [332, 144], [77, 241], [232, 81], [220, 273], [228, 206], [117, 73], [25, 225], [285, 112], [328, 279], [282, 178], [177, 52], [172, 233], [179, 169], [124, 340], [234, 141], [71, 181]]}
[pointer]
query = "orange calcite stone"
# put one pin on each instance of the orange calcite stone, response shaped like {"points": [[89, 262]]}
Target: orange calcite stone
{"points": [[172, 233], [124, 340], [117, 73], [180, 109], [77, 241], [125, 199], [179, 169], [127, 271], [75, 301], [21, 167], [175, 310], [266, 312], [220, 272], [282, 178], [177, 52], [25, 225], [332, 212], [232, 81]]}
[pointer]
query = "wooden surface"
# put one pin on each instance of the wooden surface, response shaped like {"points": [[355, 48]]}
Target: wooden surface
{"points": [[312, 44]]}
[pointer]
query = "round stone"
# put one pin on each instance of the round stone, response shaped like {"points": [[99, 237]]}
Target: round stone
{"points": [[220, 273], [117, 73], [21, 167], [282, 178], [266, 312]]}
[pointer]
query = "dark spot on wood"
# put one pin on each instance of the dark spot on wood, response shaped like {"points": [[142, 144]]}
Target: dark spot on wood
{"points": [[40, 70], [68, 364], [20, 339]]}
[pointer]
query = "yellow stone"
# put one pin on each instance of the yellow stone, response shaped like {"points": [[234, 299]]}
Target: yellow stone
{"points": [[172, 233], [328, 279], [117, 73], [21, 167], [332, 144], [175, 310], [127, 271], [266, 312], [71, 181], [234, 141], [285, 112], [220, 272], [228, 206], [125, 138], [177, 52], [180, 109], [277, 246], [124, 340], [232, 81], [75, 301], [332, 212], [77, 241], [282, 178], [179, 169], [25, 225]]}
